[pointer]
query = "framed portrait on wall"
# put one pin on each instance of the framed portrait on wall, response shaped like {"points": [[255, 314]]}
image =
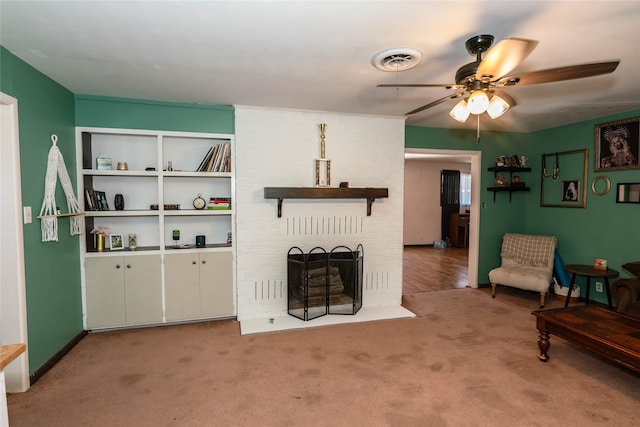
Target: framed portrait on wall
{"points": [[570, 191], [617, 145]]}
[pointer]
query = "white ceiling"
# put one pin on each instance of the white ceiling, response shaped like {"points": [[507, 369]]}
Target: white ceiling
{"points": [[315, 55]]}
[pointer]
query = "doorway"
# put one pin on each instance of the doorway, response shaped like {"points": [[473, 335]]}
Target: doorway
{"points": [[474, 159], [13, 317]]}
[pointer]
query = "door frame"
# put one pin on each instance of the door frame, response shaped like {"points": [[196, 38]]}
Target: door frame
{"points": [[474, 217], [13, 306]]}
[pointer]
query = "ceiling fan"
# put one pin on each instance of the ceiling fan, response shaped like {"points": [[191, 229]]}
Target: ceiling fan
{"points": [[480, 82]]}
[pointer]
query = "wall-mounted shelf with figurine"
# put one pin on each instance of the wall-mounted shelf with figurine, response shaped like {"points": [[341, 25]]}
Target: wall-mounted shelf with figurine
{"points": [[511, 185]]}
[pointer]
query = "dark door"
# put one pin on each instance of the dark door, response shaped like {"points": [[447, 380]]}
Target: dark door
{"points": [[449, 199]]}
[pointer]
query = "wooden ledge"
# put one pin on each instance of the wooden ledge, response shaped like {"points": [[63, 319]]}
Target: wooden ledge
{"points": [[282, 193], [8, 353]]}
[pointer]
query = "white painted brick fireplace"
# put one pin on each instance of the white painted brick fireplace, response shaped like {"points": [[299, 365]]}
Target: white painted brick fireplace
{"points": [[277, 148]]}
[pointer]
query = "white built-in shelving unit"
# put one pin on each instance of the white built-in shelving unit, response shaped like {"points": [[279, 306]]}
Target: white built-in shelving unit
{"points": [[161, 280]]}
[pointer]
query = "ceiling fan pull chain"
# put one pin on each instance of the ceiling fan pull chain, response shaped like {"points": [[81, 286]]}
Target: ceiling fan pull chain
{"points": [[478, 131]]}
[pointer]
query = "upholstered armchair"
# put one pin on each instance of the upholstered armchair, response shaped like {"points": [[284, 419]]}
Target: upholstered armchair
{"points": [[527, 263], [626, 292]]}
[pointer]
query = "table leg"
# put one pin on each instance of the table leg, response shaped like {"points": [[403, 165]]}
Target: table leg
{"points": [[543, 344], [606, 286], [573, 280], [588, 286]]}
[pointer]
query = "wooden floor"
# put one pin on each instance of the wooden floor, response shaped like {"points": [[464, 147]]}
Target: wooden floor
{"points": [[428, 269]]}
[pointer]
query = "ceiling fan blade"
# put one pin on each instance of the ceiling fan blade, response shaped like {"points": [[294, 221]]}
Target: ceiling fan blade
{"points": [[560, 74], [436, 102], [504, 57], [448, 86]]}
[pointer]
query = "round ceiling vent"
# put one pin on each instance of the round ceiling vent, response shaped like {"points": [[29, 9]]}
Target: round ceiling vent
{"points": [[398, 59]]}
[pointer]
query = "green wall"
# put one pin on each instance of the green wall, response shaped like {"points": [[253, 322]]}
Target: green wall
{"points": [[124, 113], [604, 229], [54, 307]]}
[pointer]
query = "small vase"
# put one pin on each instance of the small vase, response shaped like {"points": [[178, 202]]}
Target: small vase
{"points": [[100, 244], [118, 202]]}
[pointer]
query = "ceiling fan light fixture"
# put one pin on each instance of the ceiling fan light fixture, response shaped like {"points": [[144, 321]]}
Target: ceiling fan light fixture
{"points": [[497, 107], [460, 112], [478, 102]]}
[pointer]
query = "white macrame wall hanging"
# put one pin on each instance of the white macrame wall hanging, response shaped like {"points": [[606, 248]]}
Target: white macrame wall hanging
{"points": [[48, 211]]}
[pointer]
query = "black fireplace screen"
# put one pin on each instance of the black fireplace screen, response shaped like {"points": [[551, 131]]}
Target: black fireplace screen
{"points": [[321, 282]]}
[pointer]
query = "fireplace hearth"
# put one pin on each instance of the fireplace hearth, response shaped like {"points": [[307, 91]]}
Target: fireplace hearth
{"points": [[321, 282]]}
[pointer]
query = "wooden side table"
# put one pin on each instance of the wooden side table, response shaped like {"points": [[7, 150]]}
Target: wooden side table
{"points": [[589, 272]]}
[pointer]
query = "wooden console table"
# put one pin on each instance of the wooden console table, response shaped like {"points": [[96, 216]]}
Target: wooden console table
{"points": [[459, 230], [609, 334]]}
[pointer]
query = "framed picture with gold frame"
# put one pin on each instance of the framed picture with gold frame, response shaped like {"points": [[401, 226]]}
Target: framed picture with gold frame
{"points": [[563, 184]]}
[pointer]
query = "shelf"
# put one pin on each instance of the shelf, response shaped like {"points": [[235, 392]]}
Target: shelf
{"points": [[183, 174], [281, 193], [115, 172], [506, 188], [508, 169], [196, 212], [140, 249], [122, 213], [60, 215]]}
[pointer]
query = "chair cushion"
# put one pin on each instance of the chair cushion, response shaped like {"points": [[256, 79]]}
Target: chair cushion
{"points": [[531, 279]]}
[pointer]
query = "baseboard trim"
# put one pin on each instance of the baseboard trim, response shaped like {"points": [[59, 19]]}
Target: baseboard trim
{"points": [[38, 373]]}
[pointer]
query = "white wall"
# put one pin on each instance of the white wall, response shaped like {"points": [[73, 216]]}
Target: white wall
{"points": [[366, 151], [422, 211]]}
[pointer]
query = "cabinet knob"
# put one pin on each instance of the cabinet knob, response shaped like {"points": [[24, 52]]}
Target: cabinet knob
{"points": [[204, 261], [193, 262], [128, 265], [117, 265]]}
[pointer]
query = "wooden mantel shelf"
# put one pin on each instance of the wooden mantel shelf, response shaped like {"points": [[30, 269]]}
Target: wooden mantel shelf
{"points": [[282, 193]]}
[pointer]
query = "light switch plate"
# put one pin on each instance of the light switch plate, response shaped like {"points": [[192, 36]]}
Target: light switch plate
{"points": [[26, 213]]}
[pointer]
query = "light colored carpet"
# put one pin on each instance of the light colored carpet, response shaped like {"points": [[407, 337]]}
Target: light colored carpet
{"points": [[466, 360]]}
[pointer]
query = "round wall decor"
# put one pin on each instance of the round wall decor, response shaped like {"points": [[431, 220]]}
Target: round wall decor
{"points": [[607, 185]]}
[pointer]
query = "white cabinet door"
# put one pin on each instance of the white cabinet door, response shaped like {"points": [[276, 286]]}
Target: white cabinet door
{"points": [[182, 285], [105, 292], [198, 285], [143, 289], [216, 284], [123, 290]]}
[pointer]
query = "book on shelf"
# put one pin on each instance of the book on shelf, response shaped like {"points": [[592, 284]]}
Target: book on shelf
{"points": [[219, 203], [88, 202], [217, 159], [95, 200], [205, 160]]}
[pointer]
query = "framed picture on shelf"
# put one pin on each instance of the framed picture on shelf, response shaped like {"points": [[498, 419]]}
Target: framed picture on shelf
{"points": [[617, 145], [570, 191], [117, 242]]}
